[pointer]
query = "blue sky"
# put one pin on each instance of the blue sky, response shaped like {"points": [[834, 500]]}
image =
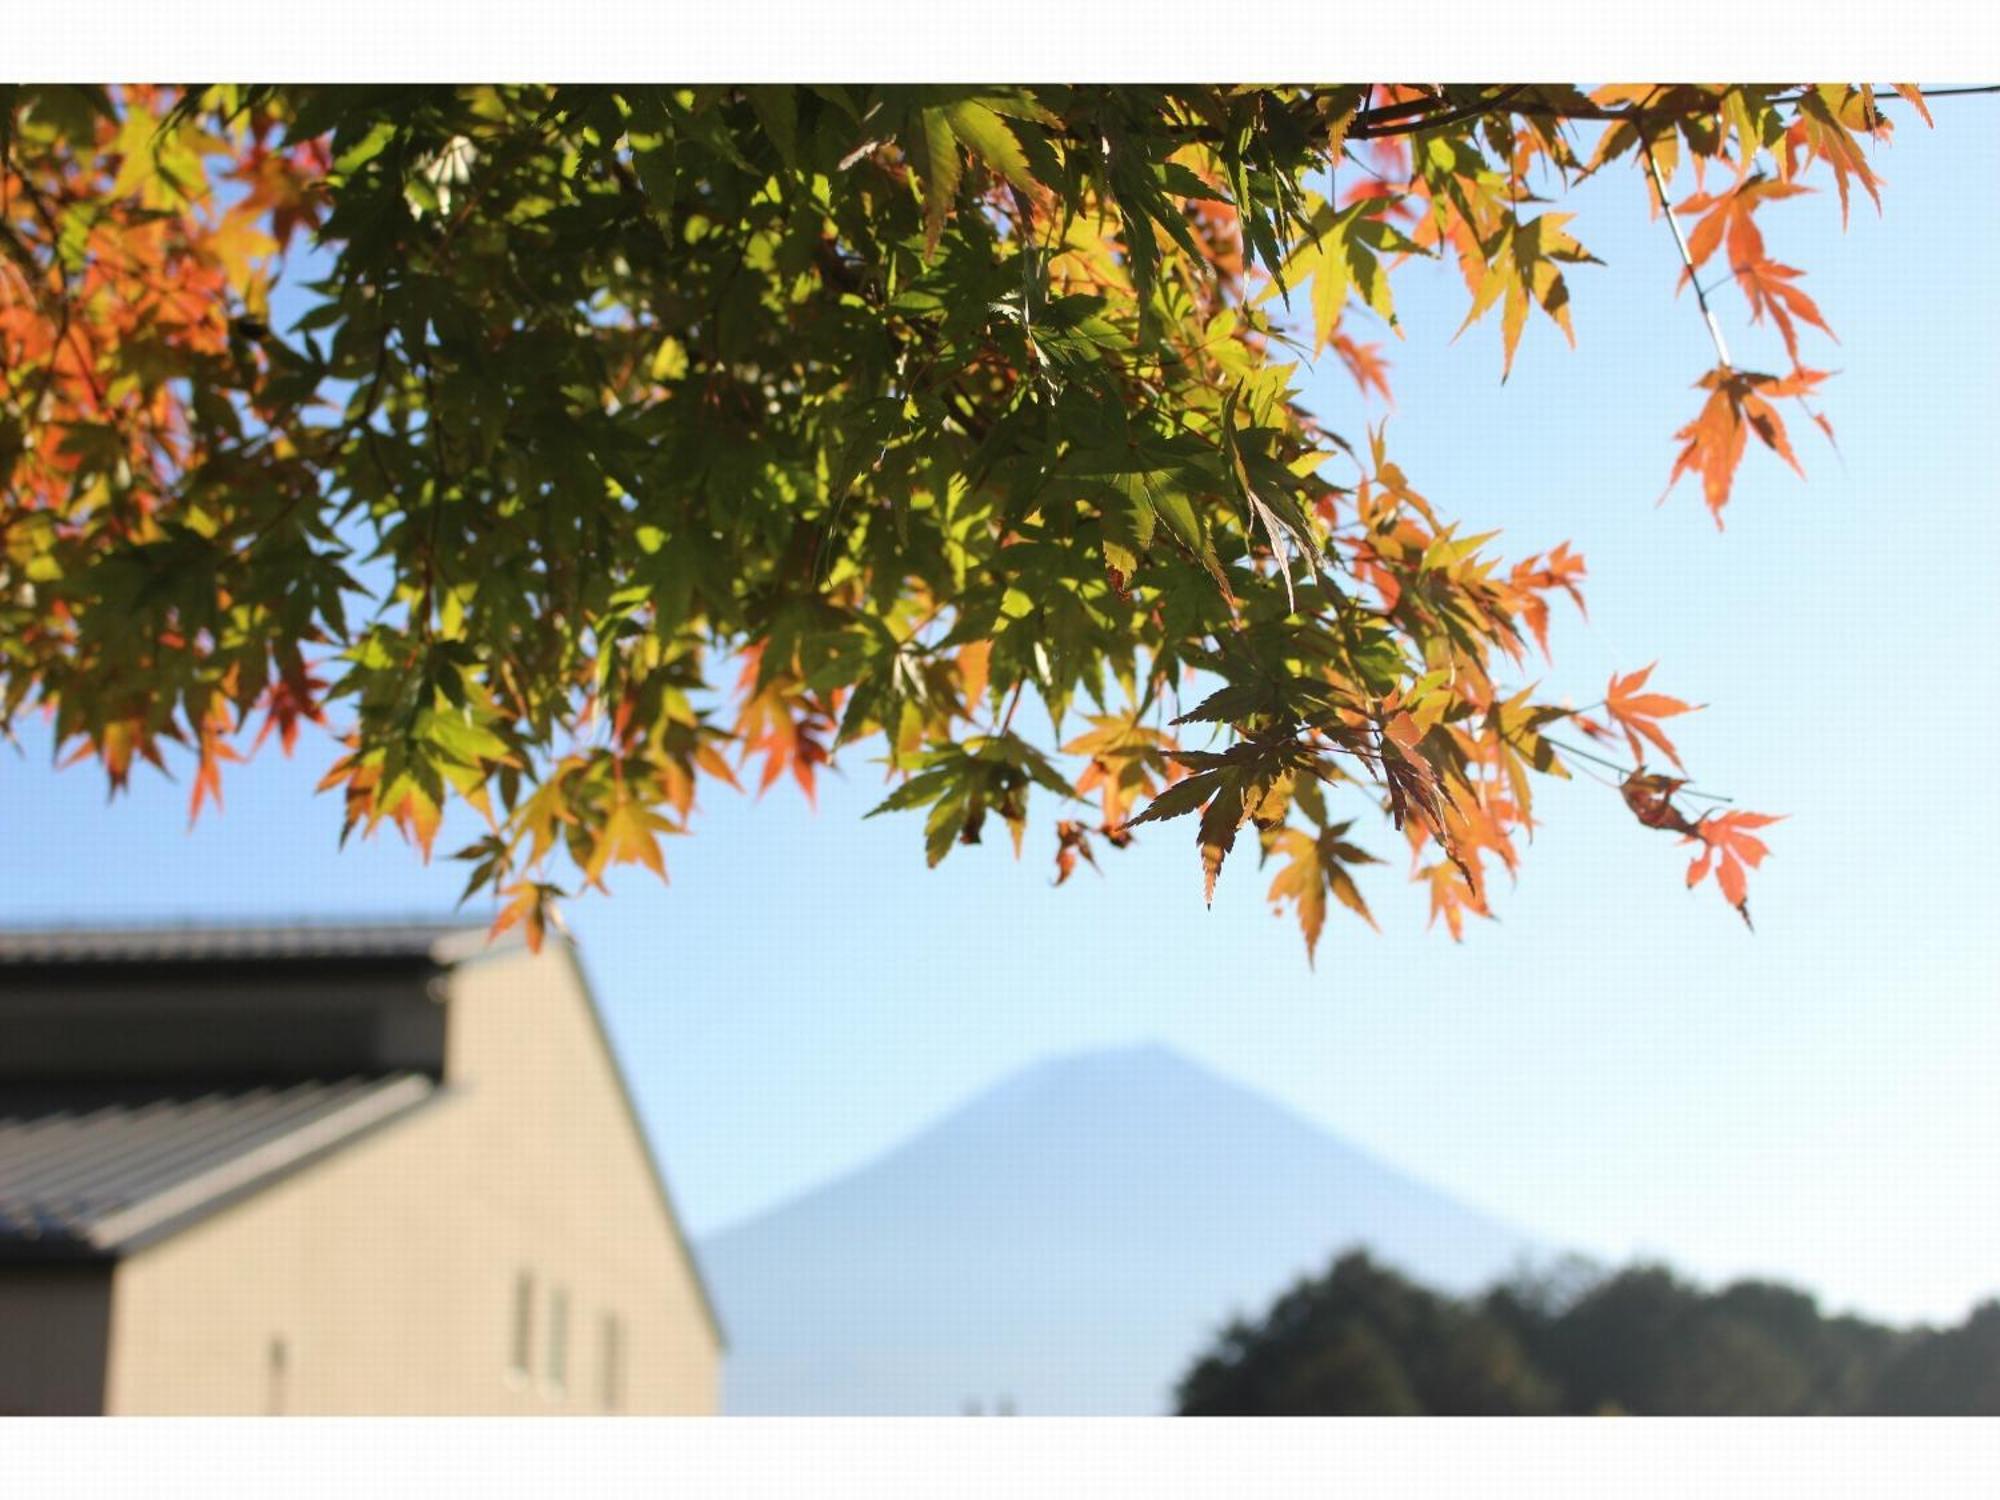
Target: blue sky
{"points": [[1615, 1064]]}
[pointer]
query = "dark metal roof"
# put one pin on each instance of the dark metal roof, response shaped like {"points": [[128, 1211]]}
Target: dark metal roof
{"points": [[93, 1170], [430, 941]]}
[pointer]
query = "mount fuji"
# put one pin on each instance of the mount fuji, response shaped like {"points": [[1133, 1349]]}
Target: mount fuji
{"points": [[1064, 1243]]}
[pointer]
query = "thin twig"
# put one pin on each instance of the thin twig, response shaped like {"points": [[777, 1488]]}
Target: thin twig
{"points": [[1687, 260], [1012, 703], [1612, 765], [1979, 88]]}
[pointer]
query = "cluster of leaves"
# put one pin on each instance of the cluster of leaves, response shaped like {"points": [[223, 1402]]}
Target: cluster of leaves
{"points": [[1363, 1340], [886, 404]]}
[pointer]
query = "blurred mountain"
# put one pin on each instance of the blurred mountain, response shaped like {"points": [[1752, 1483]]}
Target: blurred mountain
{"points": [[1065, 1243]]}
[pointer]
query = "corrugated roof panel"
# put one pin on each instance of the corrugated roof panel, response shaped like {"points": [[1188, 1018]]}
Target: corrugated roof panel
{"points": [[92, 1168]]}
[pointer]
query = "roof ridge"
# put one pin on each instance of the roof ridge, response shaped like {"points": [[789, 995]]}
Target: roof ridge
{"points": [[438, 940]]}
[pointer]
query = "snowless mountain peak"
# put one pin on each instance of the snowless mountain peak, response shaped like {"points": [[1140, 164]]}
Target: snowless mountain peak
{"points": [[1066, 1242]]}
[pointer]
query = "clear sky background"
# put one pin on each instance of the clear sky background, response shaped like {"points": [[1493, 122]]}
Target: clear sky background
{"points": [[1615, 1065]]}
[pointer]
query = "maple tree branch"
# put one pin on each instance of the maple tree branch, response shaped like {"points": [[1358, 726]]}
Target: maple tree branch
{"points": [[1687, 260], [364, 424], [1371, 132], [1374, 124], [1973, 88], [1434, 111], [1395, 111], [65, 331]]}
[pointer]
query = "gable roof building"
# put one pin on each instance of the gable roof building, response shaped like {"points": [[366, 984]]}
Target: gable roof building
{"points": [[329, 1169]]}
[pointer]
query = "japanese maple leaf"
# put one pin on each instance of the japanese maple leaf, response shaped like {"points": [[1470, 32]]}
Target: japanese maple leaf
{"points": [[1451, 897], [115, 745], [974, 665], [413, 810], [1523, 268], [1365, 363], [531, 905], [1769, 288], [1830, 118], [783, 724], [1314, 866], [212, 750], [1739, 403], [294, 696], [1728, 847], [1125, 757], [1073, 840], [629, 835], [1651, 799], [1638, 713], [1538, 575], [1729, 217]]}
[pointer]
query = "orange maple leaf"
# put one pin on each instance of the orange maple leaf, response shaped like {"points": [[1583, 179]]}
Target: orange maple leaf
{"points": [[1125, 758], [766, 725], [1538, 575], [1730, 217], [1738, 404], [212, 750], [1768, 288], [1638, 713], [1915, 95], [294, 696], [418, 815], [1365, 363], [974, 667], [1826, 129], [1451, 898], [1729, 846], [531, 906]]}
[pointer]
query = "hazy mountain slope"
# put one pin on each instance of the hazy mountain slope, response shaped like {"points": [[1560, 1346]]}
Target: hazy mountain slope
{"points": [[1067, 1239]]}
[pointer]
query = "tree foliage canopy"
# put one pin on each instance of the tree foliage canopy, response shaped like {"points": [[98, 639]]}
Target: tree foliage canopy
{"points": [[1361, 1340], [631, 439]]}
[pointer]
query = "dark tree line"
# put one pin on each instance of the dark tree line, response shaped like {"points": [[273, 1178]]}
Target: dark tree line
{"points": [[1363, 1340]]}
